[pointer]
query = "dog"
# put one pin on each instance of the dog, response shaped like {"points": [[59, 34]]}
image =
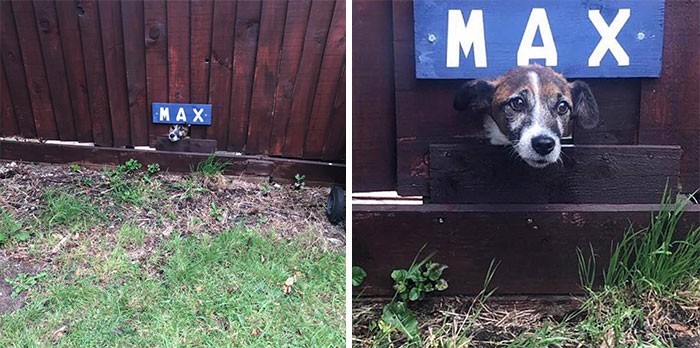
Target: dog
{"points": [[530, 108], [178, 131]]}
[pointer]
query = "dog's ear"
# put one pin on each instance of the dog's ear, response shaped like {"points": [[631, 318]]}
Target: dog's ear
{"points": [[475, 96], [585, 109]]}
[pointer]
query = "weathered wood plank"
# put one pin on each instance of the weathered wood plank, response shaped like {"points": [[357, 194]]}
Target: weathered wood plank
{"points": [[68, 18], [39, 92], [51, 49], [588, 174], [307, 76], [535, 245], [14, 70], [115, 70], [244, 50], [266, 72], [327, 85], [135, 59], [186, 145], [672, 118], [91, 37], [373, 108], [292, 46], [156, 39], [223, 28], [200, 55], [334, 145], [283, 169], [7, 111], [178, 51]]}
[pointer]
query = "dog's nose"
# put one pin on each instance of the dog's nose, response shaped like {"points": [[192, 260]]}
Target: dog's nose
{"points": [[543, 144]]}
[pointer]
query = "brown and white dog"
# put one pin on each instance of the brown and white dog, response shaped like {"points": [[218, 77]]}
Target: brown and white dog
{"points": [[529, 108], [178, 131]]}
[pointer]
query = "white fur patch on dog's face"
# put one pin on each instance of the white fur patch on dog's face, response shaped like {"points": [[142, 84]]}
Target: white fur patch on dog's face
{"points": [[177, 132]]}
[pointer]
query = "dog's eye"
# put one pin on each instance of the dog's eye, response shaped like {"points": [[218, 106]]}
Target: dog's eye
{"points": [[562, 108], [518, 104]]}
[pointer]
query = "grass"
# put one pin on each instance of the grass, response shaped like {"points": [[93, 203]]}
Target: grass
{"points": [[211, 166], [158, 274], [214, 291]]}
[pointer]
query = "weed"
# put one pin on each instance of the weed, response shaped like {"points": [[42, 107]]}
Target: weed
{"points": [[189, 187], [299, 183], [216, 213], [70, 210], [418, 280], [11, 229], [87, 181], [358, 275], [265, 187], [211, 166], [23, 282], [131, 165], [152, 169], [74, 168]]}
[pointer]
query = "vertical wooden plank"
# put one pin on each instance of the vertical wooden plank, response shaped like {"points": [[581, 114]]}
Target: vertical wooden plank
{"points": [[327, 86], [156, 39], [50, 38], [334, 146], [8, 121], [90, 34], [178, 51], [307, 76], [244, 51], [200, 49], [113, 46], [221, 66], [14, 69], [265, 81], [135, 60], [373, 107], [39, 93], [68, 13], [672, 118], [292, 45]]}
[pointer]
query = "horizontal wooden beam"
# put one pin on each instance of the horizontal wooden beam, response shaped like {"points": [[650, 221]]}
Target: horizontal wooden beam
{"points": [[534, 244], [473, 173], [277, 168], [186, 145]]}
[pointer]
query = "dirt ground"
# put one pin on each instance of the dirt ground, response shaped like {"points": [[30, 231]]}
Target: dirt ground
{"points": [[170, 207]]}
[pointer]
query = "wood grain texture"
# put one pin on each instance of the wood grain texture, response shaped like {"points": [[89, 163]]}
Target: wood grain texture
{"points": [[50, 38], [535, 245], [67, 13], [8, 121], [13, 66], [266, 73], [201, 13], [588, 174], [244, 52], [93, 56], [186, 145], [334, 145], [223, 28], [39, 91], [670, 105], [305, 85], [283, 169], [156, 40], [178, 51], [326, 85], [135, 60], [373, 108], [115, 69], [292, 46]]}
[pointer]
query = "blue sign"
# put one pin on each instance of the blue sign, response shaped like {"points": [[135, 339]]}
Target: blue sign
{"points": [[192, 114], [457, 39]]}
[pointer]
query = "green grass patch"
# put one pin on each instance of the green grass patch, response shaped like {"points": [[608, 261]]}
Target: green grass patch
{"points": [[68, 209], [210, 291], [11, 229], [211, 166]]}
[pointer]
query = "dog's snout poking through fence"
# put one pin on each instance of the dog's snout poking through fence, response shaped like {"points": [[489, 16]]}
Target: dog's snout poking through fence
{"points": [[177, 132]]}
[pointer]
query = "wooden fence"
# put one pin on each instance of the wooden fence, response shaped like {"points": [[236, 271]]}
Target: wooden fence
{"points": [[479, 205], [88, 71]]}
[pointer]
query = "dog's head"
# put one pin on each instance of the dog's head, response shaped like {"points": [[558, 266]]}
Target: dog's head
{"points": [[530, 108], [177, 132]]}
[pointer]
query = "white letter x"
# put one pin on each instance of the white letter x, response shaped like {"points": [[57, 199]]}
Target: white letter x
{"points": [[608, 37]]}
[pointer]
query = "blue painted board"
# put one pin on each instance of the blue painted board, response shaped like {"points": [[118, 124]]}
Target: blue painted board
{"points": [[574, 37], [172, 113]]}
